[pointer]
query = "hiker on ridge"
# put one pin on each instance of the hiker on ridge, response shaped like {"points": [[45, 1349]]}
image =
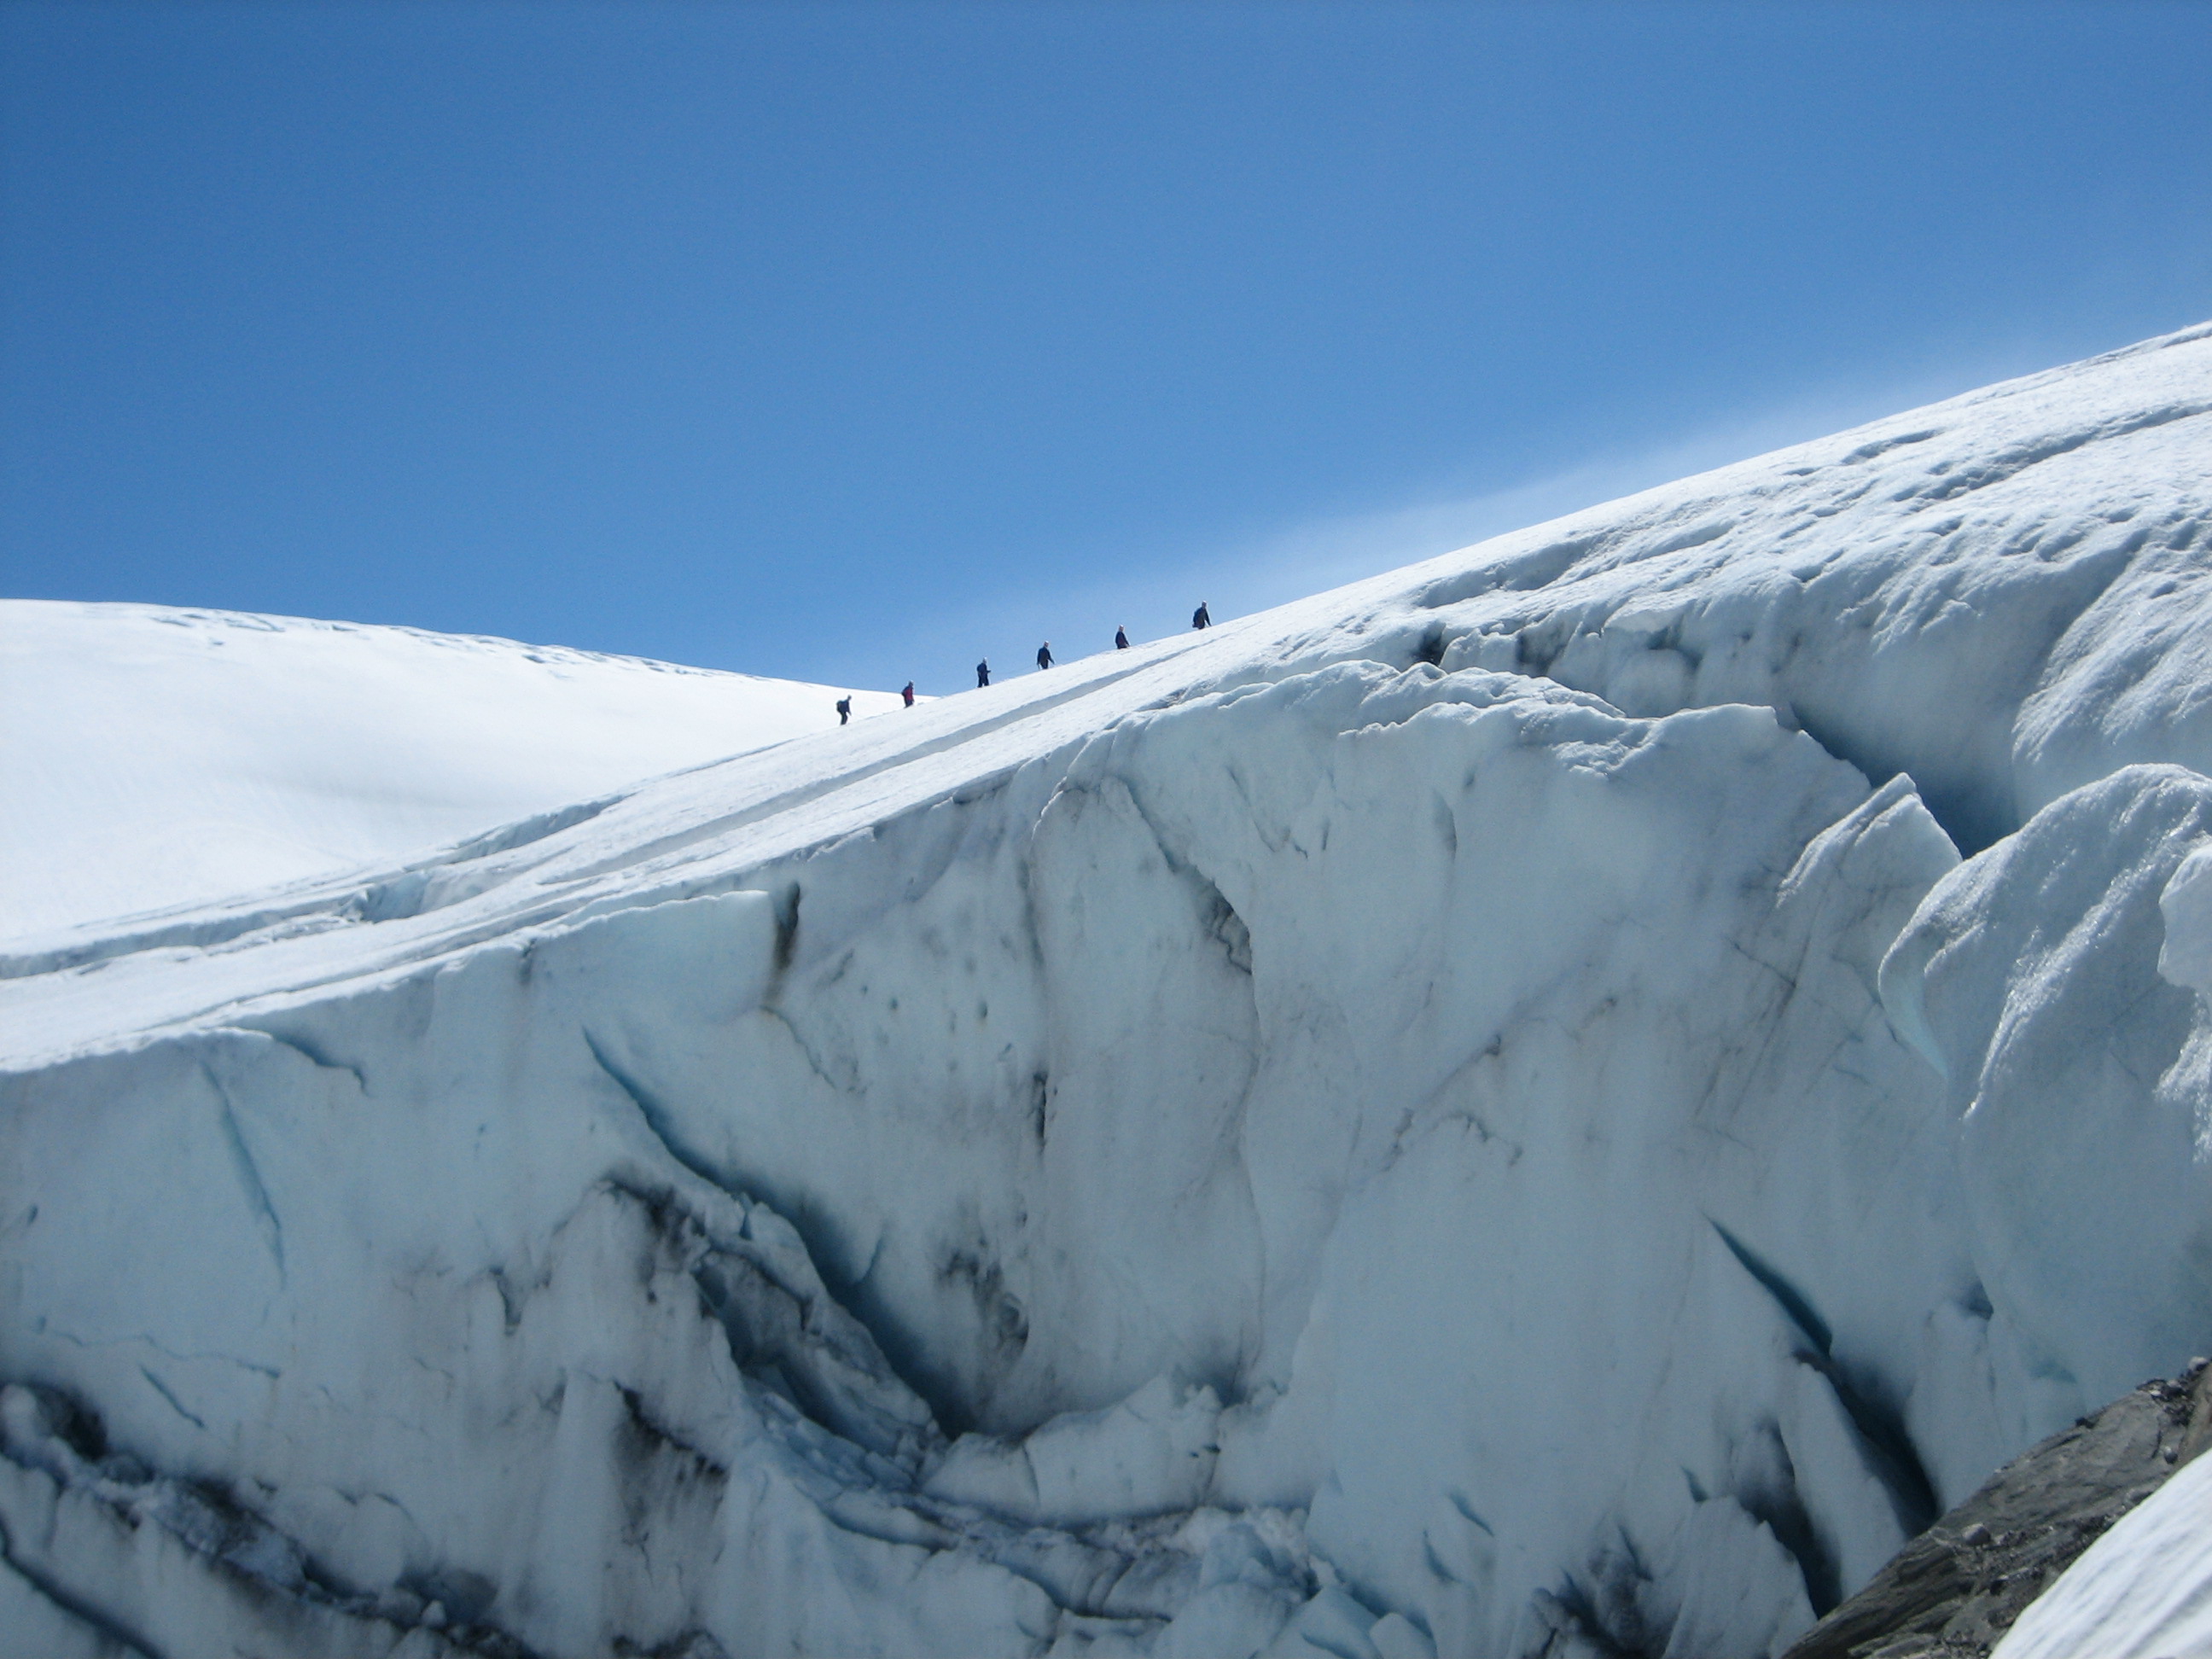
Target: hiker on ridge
{"points": [[844, 710], [908, 693], [1044, 654], [1121, 639], [983, 673], [1199, 618]]}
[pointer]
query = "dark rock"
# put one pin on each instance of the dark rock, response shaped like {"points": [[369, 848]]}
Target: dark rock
{"points": [[1953, 1591]]}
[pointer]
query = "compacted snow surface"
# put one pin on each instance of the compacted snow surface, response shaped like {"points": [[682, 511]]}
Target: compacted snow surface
{"points": [[155, 757], [1564, 1100]]}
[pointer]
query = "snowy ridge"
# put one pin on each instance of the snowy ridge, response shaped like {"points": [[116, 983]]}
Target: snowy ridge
{"points": [[1478, 1113], [157, 756]]}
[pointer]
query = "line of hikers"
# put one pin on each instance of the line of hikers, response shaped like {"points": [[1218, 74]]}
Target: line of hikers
{"points": [[845, 704], [1201, 617]]}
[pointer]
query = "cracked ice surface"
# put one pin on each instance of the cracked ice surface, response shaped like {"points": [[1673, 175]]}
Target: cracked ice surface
{"points": [[1481, 1113]]}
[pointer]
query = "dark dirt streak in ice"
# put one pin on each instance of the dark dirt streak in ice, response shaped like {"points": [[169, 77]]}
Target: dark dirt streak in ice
{"points": [[220, 1534], [93, 1618], [270, 1225], [309, 1051], [656, 1118], [900, 1356], [1884, 1441]]}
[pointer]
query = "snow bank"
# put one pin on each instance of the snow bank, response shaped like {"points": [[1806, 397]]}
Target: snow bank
{"points": [[157, 756], [2142, 1591], [1479, 1114]]}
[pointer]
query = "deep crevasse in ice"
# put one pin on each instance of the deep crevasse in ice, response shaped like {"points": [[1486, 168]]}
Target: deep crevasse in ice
{"points": [[1481, 1113]]}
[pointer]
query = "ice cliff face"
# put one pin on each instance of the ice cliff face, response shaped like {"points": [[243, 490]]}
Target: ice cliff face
{"points": [[1482, 1113]]}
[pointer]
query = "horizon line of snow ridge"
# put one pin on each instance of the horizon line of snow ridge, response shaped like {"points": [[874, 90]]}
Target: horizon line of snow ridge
{"points": [[160, 757]]}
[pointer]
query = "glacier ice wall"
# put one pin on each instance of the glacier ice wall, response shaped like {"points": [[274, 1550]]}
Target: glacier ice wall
{"points": [[1479, 1114]]}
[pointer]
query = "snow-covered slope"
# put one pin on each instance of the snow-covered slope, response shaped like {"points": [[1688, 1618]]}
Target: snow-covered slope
{"points": [[155, 756], [1480, 1113], [2142, 1591]]}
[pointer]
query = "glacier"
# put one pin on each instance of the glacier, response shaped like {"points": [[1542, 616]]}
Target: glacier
{"points": [[1565, 1100]]}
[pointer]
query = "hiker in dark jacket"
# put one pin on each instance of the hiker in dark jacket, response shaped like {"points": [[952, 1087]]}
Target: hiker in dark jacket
{"points": [[983, 673], [1200, 618], [1121, 639], [908, 693], [1044, 654], [844, 710]]}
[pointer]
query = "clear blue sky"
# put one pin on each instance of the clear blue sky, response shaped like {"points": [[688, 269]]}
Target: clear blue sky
{"points": [[852, 342]]}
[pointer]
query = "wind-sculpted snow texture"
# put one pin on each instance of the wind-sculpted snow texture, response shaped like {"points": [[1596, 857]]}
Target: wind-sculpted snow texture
{"points": [[1479, 1114]]}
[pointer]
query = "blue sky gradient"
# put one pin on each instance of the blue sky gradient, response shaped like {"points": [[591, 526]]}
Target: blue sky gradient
{"points": [[852, 342]]}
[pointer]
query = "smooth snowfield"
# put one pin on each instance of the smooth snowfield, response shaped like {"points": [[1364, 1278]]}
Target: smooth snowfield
{"points": [[155, 756], [1561, 1101]]}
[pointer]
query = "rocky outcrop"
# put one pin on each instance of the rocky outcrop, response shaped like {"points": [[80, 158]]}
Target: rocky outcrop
{"points": [[1954, 1590]]}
